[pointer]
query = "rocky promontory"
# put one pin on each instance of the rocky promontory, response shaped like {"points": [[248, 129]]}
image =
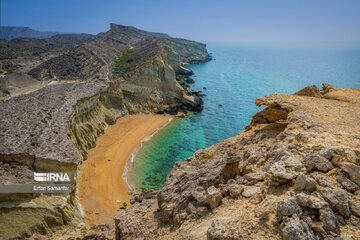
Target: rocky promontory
{"points": [[58, 95], [294, 173]]}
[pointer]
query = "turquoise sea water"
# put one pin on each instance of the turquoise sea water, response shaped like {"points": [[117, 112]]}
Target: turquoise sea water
{"points": [[239, 74]]}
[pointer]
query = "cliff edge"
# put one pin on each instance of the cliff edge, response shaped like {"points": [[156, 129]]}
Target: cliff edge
{"points": [[294, 173], [58, 95]]}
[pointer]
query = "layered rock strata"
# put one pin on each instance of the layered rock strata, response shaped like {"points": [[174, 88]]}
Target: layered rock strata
{"points": [[78, 93]]}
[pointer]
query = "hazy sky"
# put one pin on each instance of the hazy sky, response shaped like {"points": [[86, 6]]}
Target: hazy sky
{"points": [[203, 20]]}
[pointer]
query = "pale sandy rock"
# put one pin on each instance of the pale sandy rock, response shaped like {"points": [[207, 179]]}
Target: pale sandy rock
{"points": [[235, 190], [250, 191], [213, 197], [258, 176]]}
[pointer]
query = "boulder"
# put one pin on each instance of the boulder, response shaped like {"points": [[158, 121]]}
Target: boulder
{"points": [[309, 91], [337, 198], [310, 201], [355, 205], [352, 170], [287, 207], [213, 197], [196, 209], [279, 173], [304, 183], [199, 196], [329, 220], [317, 162], [347, 184], [295, 229]]}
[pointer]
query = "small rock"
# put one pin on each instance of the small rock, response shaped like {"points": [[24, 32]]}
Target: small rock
{"points": [[250, 191], [347, 184], [337, 198], [354, 220], [296, 229], [352, 170], [303, 183], [281, 174], [287, 207], [329, 220], [317, 162], [231, 181], [213, 197], [355, 205], [199, 197], [235, 190], [259, 176], [323, 180], [197, 210], [305, 200]]}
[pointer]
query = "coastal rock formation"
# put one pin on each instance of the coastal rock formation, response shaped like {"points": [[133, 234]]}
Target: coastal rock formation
{"points": [[64, 91], [292, 174]]}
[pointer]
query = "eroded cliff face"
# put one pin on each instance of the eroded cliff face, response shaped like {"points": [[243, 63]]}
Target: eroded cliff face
{"points": [[292, 174], [51, 128]]}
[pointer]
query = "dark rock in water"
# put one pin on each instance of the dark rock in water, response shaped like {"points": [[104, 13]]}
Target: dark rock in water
{"points": [[189, 80], [203, 60]]}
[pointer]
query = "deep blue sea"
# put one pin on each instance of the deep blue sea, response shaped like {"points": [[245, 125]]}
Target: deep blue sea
{"points": [[239, 74]]}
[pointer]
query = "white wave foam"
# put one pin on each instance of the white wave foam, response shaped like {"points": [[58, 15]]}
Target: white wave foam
{"points": [[130, 161]]}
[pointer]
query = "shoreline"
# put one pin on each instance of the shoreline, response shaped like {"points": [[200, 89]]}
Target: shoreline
{"points": [[103, 183], [136, 150]]}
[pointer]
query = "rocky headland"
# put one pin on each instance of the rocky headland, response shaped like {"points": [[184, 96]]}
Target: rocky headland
{"points": [[59, 94], [294, 173]]}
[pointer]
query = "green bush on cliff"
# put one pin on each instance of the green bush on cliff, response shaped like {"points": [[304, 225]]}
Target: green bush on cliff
{"points": [[124, 63]]}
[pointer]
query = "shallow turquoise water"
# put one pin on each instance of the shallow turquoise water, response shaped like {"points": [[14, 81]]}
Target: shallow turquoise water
{"points": [[239, 74]]}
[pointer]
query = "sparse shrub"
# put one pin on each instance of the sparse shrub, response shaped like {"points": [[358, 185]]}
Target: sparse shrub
{"points": [[124, 63], [207, 156]]}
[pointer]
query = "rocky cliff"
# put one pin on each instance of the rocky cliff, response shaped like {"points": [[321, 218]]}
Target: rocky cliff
{"points": [[294, 173], [57, 103]]}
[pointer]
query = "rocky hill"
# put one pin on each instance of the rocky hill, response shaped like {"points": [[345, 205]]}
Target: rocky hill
{"points": [[294, 173], [57, 102], [26, 32]]}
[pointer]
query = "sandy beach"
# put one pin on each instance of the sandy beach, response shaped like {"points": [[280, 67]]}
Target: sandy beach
{"points": [[102, 188]]}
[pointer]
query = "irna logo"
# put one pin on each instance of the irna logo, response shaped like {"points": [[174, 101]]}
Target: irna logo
{"points": [[52, 177]]}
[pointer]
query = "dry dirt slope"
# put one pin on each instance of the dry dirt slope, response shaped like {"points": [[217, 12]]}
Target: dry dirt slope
{"points": [[294, 173]]}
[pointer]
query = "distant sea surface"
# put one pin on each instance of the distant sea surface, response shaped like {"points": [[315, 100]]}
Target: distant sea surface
{"points": [[239, 74]]}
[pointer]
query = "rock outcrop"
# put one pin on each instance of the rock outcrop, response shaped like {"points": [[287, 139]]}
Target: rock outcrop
{"points": [[292, 174], [74, 90]]}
